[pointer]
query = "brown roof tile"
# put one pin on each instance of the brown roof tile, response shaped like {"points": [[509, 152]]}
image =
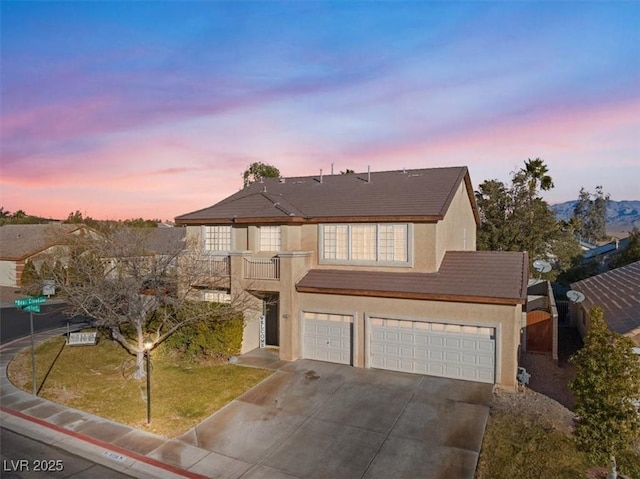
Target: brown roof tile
{"points": [[617, 292], [422, 193], [497, 277], [18, 242]]}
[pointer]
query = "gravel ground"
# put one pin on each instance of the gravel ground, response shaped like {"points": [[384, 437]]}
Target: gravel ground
{"points": [[547, 396]]}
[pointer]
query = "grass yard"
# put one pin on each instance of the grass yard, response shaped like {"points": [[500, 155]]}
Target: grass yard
{"points": [[515, 445], [90, 378], [518, 444]]}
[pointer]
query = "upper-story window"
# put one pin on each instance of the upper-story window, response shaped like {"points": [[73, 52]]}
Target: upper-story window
{"points": [[269, 238], [365, 243], [216, 238]]}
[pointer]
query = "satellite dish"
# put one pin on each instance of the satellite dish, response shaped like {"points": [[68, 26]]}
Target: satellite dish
{"points": [[575, 296], [541, 266]]}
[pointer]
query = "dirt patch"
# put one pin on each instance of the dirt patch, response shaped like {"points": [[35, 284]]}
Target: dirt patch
{"points": [[547, 396]]}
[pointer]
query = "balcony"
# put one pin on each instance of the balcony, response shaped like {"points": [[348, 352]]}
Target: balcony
{"points": [[261, 268], [216, 266]]}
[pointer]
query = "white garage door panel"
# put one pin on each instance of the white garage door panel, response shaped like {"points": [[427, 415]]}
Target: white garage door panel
{"points": [[327, 337], [462, 352]]}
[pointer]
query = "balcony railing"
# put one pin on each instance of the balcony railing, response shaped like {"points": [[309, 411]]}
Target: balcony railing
{"points": [[262, 268], [216, 265]]}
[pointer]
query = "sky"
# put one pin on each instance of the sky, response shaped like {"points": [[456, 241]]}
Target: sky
{"points": [[152, 109]]}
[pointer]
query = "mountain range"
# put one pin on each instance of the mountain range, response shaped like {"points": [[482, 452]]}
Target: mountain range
{"points": [[622, 216]]}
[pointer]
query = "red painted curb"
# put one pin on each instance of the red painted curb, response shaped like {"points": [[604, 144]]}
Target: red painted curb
{"points": [[105, 445]]}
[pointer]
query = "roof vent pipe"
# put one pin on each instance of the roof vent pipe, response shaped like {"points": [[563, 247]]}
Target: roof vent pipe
{"points": [[369, 174], [320, 175], [332, 168]]}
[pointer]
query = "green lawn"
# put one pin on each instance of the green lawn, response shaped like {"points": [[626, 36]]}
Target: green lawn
{"points": [[90, 378]]}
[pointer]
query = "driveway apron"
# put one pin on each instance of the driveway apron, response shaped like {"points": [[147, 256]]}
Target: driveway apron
{"points": [[314, 420]]}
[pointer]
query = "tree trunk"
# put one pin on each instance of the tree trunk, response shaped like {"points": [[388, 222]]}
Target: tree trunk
{"points": [[139, 372]]}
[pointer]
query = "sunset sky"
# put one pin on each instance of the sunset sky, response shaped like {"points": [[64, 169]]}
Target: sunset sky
{"points": [[152, 109]]}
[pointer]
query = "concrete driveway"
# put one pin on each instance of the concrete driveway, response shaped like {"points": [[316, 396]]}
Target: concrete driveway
{"points": [[319, 420]]}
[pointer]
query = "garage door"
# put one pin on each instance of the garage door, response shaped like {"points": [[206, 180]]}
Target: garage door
{"points": [[327, 337], [437, 349]]}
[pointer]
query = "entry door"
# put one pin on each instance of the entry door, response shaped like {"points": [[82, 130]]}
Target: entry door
{"points": [[272, 331]]}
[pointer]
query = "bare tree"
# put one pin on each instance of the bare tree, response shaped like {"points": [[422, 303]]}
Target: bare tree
{"points": [[141, 284]]}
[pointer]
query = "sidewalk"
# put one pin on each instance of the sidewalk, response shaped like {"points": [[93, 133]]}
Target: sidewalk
{"points": [[113, 445]]}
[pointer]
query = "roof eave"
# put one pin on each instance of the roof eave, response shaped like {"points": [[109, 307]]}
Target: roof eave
{"points": [[311, 220], [415, 296]]}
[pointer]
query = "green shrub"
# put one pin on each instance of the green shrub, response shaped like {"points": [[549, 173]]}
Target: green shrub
{"points": [[217, 338], [606, 383], [29, 280]]}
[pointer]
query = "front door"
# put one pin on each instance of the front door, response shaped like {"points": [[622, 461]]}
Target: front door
{"points": [[272, 332]]}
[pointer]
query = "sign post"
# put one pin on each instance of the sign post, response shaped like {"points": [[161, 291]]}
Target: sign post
{"points": [[32, 305]]}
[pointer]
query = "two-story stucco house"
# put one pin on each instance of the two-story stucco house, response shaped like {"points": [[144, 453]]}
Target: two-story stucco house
{"points": [[374, 270]]}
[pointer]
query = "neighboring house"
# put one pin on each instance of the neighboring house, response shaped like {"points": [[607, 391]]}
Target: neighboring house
{"points": [[33, 242], [617, 292], [374, 270]]}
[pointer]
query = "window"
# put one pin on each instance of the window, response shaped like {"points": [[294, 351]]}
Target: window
{"points": [[365, 243], [336, 242], [392, 243], [217, 238], [216, 296], [270, 238]]}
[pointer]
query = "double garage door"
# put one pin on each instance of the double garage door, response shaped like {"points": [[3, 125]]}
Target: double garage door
{"points": [[437, 349]]}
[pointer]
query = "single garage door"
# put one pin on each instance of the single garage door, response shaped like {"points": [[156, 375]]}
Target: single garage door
{"points": [[327, 337], [437, 349]]}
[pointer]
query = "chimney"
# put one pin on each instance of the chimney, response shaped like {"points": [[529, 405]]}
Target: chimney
{"points": [[332, 168], [320, 175], [369, 174]]}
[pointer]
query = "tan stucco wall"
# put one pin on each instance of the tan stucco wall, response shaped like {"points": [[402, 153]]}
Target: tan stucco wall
{"points": [[8, 273], [457, 231], [505, 319]]}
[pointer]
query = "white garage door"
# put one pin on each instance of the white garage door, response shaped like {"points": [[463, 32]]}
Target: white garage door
{"points": [[437, 349], [327, 337]]}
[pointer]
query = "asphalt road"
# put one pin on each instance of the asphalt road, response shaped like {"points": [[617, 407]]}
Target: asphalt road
{"points": [[15, 323], [23, 457]]}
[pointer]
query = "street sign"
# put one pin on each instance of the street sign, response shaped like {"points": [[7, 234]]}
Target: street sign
{"points": [[31, 308], [29, 301], [48, 287]]}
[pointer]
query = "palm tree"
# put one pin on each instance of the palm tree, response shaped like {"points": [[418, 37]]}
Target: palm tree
{"points": [[535, 172]]}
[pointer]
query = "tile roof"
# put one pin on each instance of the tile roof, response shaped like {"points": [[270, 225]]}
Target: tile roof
{"points": [[163, 240], [496, 277], [421, 194], [18, 242], [617, 292]]}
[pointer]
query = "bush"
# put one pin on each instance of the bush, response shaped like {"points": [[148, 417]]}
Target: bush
{"points": [[209, 339], [606, 384]]}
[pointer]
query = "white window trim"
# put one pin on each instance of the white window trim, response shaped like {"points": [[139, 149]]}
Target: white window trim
{"points": [[349, 261]]}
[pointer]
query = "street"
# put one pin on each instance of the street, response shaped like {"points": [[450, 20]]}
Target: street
{"points": [[23, 457], [14, 323]]}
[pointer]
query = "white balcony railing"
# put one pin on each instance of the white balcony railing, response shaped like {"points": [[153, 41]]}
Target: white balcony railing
{"points": [[262, 268]]}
